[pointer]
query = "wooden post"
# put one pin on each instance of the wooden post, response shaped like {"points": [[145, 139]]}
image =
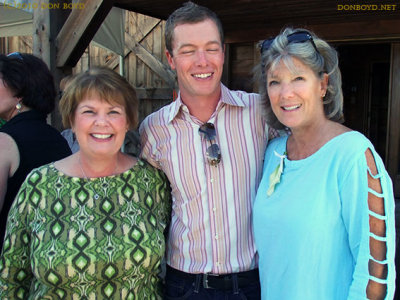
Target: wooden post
{"points": [[41, 35], [48, 19], [41, 31]]}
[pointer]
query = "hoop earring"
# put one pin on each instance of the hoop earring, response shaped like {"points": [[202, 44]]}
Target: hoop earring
{"points": [[18, 107]]}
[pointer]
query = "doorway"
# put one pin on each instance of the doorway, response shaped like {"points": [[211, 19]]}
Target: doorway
{"points": [[365, 74]]}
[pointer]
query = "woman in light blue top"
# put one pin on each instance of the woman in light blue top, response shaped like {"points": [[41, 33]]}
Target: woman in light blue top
{"points": [[324, 211]]}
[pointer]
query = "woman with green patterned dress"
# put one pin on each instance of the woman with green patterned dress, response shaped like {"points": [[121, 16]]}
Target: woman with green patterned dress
{"points": [[90, 226]]}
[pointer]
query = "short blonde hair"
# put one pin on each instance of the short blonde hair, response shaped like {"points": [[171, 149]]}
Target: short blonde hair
{"points": [[105, 83]]}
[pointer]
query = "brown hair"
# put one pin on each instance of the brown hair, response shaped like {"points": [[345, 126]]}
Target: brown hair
{"points": [[189, 13], [105, 83]]}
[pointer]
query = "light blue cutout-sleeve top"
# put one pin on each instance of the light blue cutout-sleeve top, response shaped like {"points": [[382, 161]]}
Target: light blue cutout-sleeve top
{"points": [[312, 233]]}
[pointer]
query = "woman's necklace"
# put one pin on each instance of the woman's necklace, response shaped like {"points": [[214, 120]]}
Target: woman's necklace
{"points": [[80, 166], [95, 195], [84, 174]]}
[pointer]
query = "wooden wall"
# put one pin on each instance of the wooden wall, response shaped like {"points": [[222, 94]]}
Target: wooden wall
{"points": [[16, 43], [152, 90], [141, 69]]}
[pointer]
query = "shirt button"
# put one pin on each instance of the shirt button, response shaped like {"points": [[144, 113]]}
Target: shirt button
{"points": [[216, 236], [214, 209], [96, 196], [211, 180]]}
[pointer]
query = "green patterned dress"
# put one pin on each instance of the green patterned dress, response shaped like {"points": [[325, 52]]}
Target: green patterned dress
{"points": [[74, 238]]}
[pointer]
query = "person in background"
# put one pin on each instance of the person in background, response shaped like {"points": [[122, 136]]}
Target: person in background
{"points": [[67, 133], [210, 142], [90, 226], [64, 83], [27, 96], [324, 211]]}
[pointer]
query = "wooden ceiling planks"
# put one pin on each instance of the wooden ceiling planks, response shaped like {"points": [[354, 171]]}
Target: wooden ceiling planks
{"points": [[250, 20]]}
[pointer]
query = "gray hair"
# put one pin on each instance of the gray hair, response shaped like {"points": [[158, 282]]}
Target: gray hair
{"points": [[323, 61], [189, 13]]}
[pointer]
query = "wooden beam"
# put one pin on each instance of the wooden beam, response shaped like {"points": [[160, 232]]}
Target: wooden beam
{"points": [[335, 32], [113, 63], [382, 30], [152, 62], [154, 93], [79, 29], [58, 17], [146, 29], [393, 140], [41, 32]]}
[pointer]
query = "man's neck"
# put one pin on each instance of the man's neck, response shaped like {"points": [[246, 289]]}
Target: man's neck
{"points": [[201, 108]]}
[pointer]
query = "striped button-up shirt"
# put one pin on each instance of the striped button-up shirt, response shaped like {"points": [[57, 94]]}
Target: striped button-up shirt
{"points": [[211, 228]]}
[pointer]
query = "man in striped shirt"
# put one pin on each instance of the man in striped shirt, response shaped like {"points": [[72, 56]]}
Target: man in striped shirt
{"points": [[210, 142]]}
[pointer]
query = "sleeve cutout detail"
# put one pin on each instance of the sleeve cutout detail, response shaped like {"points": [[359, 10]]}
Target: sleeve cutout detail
{"points": [[381, 262], [380, 195], [377, 176], [377, 237], [376, 290], [376, 279], [376, 215]]}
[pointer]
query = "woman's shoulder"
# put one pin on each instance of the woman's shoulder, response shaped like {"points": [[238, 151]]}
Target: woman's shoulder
{"points": [[348, 151], [150, 170], [41, 174], [352, 142], [8, 144], [278, 144], [144, 164], [10, 157], [44, 170]]}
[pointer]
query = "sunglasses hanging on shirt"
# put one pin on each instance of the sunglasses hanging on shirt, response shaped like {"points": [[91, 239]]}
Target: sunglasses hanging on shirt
{"points": [[213, 153]]}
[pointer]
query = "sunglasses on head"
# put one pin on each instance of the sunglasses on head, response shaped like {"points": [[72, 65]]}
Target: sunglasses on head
{"points": [[295, 37], [16, 55], [213, 153]]}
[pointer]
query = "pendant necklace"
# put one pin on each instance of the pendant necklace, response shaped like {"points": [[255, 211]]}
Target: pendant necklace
{"points": [[80, 166]]}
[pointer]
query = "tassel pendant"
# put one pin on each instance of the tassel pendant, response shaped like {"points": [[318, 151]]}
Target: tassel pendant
{"points": [[275, 176]]}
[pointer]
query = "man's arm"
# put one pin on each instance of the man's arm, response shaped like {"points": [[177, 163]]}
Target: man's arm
{"points": [[147, 142]]}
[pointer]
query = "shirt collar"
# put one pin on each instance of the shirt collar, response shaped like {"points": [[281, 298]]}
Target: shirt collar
{"points": [[227, 97]]}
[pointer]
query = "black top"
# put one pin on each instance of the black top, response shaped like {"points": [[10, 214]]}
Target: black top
{"points": [[38, 144]]}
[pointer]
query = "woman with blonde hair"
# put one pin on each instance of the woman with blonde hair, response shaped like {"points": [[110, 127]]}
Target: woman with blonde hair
{"points": [[324, 211]]}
